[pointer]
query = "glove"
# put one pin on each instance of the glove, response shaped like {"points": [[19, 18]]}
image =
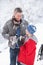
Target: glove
{"points": [[13, 40], [21, 40]]}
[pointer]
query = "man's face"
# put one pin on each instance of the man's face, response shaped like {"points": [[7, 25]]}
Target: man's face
{"points": [[18, 16]]}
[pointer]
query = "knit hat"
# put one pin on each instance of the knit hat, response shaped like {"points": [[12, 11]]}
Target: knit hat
{"points": [[31, 29]]}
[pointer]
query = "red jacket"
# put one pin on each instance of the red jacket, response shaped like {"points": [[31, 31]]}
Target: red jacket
{"points": [[27, 52]]}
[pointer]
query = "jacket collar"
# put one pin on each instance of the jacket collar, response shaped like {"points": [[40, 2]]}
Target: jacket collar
{"points": [[15, 22]]}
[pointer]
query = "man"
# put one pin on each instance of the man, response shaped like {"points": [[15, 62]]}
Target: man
{"points": [[10, 31]]}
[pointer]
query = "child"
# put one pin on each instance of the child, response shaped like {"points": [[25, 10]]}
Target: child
{"points": [[28, 49]]}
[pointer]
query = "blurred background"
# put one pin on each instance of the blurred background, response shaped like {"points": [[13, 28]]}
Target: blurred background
{"points": [[33, 13]]}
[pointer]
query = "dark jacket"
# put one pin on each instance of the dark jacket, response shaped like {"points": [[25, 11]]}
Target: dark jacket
{"points": [[10, 28]]}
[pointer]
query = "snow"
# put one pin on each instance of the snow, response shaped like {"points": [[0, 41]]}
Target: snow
{"points": [[4, 57], [33, 11]]}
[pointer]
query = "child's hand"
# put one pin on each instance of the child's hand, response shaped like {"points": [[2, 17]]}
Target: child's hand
{"points": [[21, 37], [21, 40]]}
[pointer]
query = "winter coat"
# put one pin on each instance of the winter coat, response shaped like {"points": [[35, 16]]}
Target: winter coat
{"points": [[10, 28], [27, 52]]}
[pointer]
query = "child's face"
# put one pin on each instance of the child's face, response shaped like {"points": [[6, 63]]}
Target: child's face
{"points": [[27, 33]]}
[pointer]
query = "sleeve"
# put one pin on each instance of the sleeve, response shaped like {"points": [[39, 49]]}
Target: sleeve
{"points": [[5, 31]]}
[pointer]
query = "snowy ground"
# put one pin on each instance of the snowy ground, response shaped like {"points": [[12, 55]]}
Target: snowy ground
{"points": [[35, 16], [4, 57]]}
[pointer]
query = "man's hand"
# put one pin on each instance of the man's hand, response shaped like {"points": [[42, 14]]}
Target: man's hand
{"points": [[11, 38]]}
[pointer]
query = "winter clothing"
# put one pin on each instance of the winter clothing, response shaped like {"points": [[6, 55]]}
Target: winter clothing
{"points": [[10, 28], [28, 51], [31, 29], [13, 55]]}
